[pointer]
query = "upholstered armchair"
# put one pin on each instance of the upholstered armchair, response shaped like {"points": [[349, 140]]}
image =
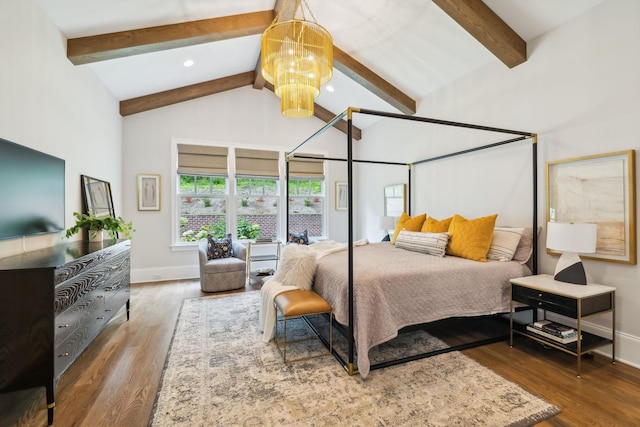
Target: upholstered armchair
{"points": [[222, 274]]}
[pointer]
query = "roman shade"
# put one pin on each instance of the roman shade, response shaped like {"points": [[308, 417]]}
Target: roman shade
{"points": [[257, 163], [307, 168], [202, 160]]}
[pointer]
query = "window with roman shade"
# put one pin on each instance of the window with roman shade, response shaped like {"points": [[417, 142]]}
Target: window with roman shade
{"points": [[202, 191], [257, 163], [202, 160], [306, 194], [306, 167]]}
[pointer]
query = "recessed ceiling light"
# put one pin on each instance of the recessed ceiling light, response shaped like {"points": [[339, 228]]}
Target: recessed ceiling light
{"points": [[329, 88], [188, 63]]}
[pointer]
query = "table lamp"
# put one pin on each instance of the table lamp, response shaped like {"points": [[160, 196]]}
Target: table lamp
{"points": [[571, 239], [388, 224]]}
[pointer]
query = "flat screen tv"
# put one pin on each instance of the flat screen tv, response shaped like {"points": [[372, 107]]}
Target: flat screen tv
{"points": [[31, 191]]}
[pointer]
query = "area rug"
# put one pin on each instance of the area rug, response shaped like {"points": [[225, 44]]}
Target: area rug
{"points": [[220, 373]]}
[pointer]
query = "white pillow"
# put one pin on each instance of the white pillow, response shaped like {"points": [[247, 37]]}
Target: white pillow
{"points": [[297, 267], [426, 243], [504, 243]]}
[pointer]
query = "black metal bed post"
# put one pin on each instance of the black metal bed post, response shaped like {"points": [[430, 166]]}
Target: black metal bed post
{"points": [[534, 158], [408, 195], [286, 197], [350, 365]]}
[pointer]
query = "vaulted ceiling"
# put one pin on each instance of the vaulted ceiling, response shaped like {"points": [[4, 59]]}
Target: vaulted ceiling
{"points": [[387, 54]]}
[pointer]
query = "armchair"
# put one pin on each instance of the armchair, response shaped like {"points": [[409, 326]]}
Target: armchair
{"points": [[222, 274]]}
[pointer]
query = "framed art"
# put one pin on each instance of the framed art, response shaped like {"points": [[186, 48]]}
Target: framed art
{"points": [[597, 189], [342, 196], [395, 200], [96, 197], [148, 192]]}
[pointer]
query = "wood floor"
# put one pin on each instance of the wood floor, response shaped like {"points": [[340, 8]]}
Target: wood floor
{"points": [[114, 382]]}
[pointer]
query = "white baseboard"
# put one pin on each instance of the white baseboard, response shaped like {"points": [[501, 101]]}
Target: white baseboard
{"points": [[141, 275], [627, 346]]}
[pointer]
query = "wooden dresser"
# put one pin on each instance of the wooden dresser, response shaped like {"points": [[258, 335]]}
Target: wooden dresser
{"points": [[53, 303]]}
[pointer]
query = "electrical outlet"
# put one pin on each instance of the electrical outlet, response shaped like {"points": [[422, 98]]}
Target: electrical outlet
{"points": [[156, 277]]}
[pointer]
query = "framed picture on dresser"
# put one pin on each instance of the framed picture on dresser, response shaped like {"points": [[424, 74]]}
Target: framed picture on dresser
{"points": [[96, 196]]}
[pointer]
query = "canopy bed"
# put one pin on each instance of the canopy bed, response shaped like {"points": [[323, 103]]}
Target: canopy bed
{"points": [[376, 290]]}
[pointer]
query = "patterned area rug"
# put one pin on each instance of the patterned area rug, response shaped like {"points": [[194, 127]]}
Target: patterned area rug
{"points": [[220, 373]]}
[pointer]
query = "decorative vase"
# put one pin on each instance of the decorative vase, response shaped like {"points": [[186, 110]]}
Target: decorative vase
{"points": [[95, 235]]}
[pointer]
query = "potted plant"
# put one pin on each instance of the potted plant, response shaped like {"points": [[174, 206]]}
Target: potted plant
{"points": [[96, 225]]}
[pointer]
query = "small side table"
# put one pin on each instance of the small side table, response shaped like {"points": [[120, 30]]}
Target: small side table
{"points": [[272, 255], [574, 301]]}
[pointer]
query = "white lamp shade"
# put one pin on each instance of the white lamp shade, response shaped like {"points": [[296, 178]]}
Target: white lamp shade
{"points": [[579, 238]]}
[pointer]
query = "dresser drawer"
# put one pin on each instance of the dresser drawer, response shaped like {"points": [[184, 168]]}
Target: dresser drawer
{"points": [[82, 264], [544, 300], [86, 310], [561, 304], [70, 291], [67, 351]]}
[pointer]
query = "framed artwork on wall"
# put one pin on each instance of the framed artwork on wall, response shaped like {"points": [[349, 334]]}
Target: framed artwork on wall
{"points": [[148, 192], [96, 197], [342, 196], [597, 189]]}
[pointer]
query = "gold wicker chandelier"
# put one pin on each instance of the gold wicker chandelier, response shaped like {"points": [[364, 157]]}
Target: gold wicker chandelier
{"points": [[297, 58]]}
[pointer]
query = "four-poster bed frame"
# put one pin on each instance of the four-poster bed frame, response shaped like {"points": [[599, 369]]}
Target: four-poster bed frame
{"points": [[348, 331]]}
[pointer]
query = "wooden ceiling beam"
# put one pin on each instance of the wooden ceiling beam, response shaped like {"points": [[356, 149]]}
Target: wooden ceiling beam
{"points": [[487, 27], [186, 93], [134, 42], [102, 47], [326, 116], [372, 82]]}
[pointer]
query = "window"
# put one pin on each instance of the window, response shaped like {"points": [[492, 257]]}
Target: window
{"points": [[215, 196], [306, 206], [202, 202], [257, 207], [202, 192]]}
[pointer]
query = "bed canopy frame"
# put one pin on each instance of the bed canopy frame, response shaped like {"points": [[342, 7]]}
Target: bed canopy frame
{"points": [[348, 114]]}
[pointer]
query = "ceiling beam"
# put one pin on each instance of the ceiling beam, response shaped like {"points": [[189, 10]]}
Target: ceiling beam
{"points": [[134, 42], [487, 27], [186, 93], [372, 82], [259, 81], [326, 116], [101, 47]]}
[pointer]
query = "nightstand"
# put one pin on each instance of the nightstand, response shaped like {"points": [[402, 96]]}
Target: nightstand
{"points": [[574, 301]]}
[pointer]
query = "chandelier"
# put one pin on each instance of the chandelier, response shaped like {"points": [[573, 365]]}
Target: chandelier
{"points": [[297, 58]]}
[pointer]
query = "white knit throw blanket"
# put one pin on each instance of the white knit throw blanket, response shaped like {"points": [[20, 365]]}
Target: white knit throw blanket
{"points": [[273, 287]]}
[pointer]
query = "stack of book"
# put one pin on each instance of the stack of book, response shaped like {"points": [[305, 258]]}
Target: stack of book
{"points": [[554, 331]]}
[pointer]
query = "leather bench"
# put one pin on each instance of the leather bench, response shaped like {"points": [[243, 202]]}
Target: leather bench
{"points": [[299, 303]]}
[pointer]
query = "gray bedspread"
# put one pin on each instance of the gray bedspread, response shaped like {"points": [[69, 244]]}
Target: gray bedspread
{"points": [[394, 288]]}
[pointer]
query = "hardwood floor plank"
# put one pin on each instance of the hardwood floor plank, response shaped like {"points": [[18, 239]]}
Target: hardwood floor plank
{"points": [[115, 381]]}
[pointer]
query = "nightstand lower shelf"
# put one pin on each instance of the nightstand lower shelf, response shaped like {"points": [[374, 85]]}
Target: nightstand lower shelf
{"points": [[589, 342]]}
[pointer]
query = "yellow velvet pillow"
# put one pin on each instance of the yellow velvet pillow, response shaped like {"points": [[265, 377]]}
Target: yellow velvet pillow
{"points": [[432, 225], [471, 239], [408, 223]]}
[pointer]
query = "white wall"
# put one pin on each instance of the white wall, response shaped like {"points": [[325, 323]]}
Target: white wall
{"points": [[580, 91], [245, 116], [50, 105]]}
